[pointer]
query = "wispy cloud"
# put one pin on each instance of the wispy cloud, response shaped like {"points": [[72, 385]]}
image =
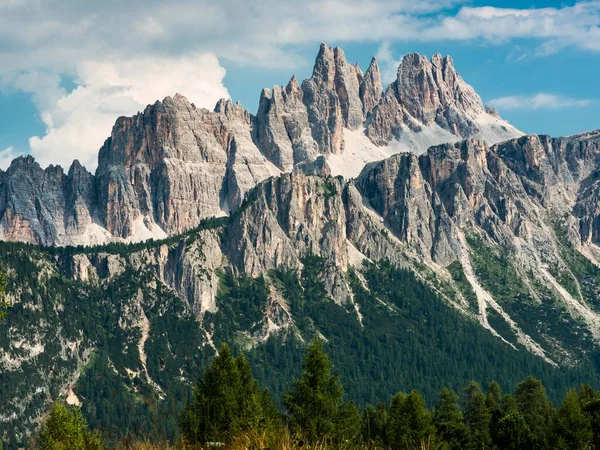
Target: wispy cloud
{"points": [[58, 34], [7, 155], [553, 28], [538, 101], [78, 122], [42, 42]]}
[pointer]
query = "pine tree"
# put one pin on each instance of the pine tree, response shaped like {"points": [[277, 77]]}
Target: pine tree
{"points": [[347, 426], [410, 423], [314, 401], [532, 402], [590, 403], [227, 401], [513, 433], [477, 416], [375, 424], [66, 429], [493, 402], [508, 404], [572, 427], [449, 421]]}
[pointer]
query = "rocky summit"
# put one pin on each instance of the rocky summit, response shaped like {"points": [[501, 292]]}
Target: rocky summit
{"points": [[173, 164], [408, 221]]}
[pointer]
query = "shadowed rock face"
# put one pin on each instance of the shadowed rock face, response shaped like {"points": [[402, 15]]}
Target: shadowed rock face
{"points": [[166, 168], [417, 211], [510, 191], [45, 206], [431, 93]]}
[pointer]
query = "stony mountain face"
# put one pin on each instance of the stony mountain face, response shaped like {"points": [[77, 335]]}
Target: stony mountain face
{"points": [[298, 123], [46, 206], [163, 170], [271, 228], [175, 164], [430, 97], [506, 235]]}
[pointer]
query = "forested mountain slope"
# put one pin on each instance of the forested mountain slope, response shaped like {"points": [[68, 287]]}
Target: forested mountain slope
{"points": [[421, 269]]}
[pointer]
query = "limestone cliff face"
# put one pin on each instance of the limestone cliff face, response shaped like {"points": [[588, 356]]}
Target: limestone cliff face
{"points": [[298, 123], [45, 206], [509, 192], [172, 165], [531, 203], [431, 94], [371, 88]]}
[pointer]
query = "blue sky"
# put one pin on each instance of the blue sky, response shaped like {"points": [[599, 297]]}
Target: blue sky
{"points": [[69, 69]]}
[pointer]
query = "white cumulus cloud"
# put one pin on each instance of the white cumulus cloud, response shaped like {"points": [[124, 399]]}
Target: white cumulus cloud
{"points": [[6, 156], [78, 122], [135, 43], [538, 101]]}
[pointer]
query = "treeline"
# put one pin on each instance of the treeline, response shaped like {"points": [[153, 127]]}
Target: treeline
{"points": [[230, 410]]}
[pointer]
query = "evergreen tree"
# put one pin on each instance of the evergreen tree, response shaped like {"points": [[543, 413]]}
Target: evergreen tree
{"points": [[493, 402], [449, 421], [532, 402], [410, 423], [227, 401], [314, 401], [590, 402], [513, 433], [508, 404], [3, 303], [348, 423], [66, 429], [477, 416], [572, 427], [375, 424]]}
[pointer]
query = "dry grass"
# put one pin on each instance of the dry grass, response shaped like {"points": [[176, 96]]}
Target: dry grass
{"points": [[256, 441]]}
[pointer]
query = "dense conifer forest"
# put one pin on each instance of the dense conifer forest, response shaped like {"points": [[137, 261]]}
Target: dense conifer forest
{"points": [[400, 336], [229, 409]]}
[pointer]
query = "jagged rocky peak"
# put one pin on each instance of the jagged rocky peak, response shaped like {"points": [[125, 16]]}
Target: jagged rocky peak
{"points": [[430, 99], [164, 169], [424, 87], [371, 88], [296, 124], [44, 206]]}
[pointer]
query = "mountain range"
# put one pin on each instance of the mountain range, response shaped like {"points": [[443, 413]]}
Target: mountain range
{"points": [[201, 227]]}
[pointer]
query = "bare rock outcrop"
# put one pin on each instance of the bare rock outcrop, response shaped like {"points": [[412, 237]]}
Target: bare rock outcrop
{"points": [[165, 169]]}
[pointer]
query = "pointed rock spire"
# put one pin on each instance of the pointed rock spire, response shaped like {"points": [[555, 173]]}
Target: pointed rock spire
{"points": [[370, 87]]}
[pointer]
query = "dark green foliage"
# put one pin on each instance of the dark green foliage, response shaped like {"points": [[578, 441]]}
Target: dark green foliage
{"points": [[348, 423], [458, 275], [544, 318], [449, 421], [581, 273], [410, 423], [66, 429], [477, 416], [314, 401], [375, 424], [227, 401], [590, 403], [408, 338], [572, 426], [241, 303], [532, 402], [513, 433], [496, 270], [118, 248]]}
